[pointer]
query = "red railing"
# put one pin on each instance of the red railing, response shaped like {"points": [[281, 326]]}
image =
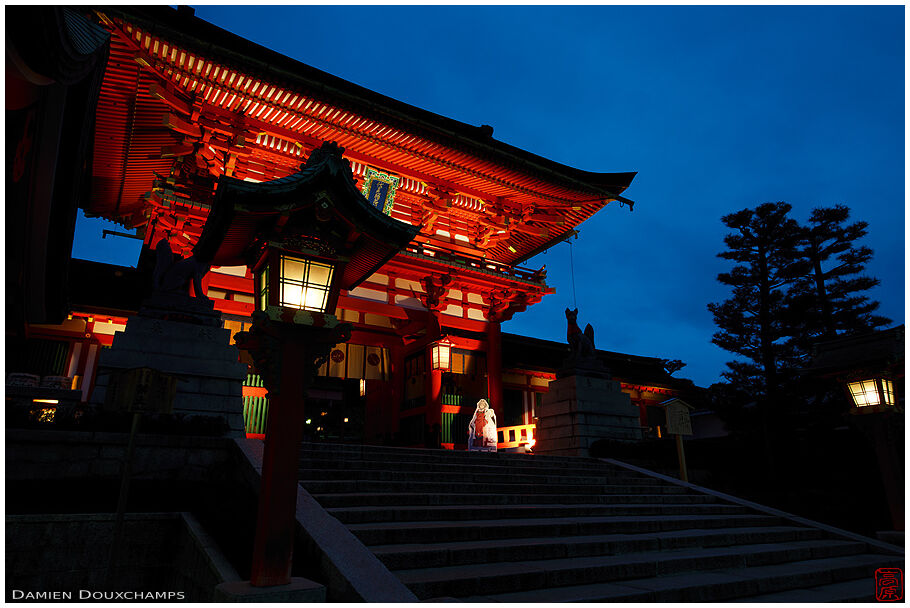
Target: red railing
{"points": [[515, 436]]}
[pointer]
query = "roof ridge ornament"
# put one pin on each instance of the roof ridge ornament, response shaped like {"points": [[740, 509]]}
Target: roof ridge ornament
{"points": [[324, 153]]}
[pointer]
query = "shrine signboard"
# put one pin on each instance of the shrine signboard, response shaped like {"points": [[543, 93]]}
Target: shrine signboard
{"points": [[679, 423], [142, 389], [379, 188], [678, 420]]}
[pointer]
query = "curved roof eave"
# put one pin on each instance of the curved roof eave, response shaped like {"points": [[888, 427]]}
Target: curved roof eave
{"points": [[193, 32]]}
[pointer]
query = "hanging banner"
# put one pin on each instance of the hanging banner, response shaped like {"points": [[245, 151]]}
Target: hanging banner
{"points": [[379, 188]]}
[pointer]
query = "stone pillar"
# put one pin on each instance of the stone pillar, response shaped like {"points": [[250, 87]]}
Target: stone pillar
{"points": [[186, 341], [580, 409]]}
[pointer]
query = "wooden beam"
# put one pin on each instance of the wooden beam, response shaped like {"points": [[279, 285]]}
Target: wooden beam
{"points": [[528, 229], [176, 123], [167, 96], [176, 150]]}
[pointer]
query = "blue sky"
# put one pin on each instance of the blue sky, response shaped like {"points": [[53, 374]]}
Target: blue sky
{"points": [[717, 108]]}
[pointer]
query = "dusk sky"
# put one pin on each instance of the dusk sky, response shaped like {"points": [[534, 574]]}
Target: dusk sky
{"points": [[717, 108]]}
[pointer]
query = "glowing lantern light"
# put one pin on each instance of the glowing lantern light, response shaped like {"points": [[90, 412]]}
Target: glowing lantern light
{"points": [[295, 282], [871, 392], [441, 355]]}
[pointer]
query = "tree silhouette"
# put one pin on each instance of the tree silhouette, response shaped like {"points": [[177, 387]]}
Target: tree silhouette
{"points": [[764, 247], [829, 300]]}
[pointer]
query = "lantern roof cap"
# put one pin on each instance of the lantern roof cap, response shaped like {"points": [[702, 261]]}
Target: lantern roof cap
{"points": [[878, 348]]}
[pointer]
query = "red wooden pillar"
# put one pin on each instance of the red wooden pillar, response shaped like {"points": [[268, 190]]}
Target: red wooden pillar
{"points": [[275, 524], [494, 366], [642, 412], [391, 410], [286, 356]]}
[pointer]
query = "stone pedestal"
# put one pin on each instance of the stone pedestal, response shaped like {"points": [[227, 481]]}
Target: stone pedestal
{"points": [[181, 336], [580, 409], [299, 590]]}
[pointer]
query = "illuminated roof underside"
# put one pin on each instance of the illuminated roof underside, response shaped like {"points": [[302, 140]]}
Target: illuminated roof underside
{"points": [[184, 102]]}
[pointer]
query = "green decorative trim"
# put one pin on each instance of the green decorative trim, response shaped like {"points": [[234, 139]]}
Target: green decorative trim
{"points": [[372, 175], [301, 317], [255, 414]]}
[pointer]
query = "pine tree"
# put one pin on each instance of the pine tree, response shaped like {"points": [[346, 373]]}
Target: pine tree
{"points": [[829, 300], [763, 245]]}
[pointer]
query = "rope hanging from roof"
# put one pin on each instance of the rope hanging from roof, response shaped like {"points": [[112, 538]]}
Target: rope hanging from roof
{"points": [[572, 271]]}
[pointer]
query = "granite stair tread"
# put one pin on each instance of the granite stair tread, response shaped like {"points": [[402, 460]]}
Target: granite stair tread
{"points": [[533, 521], [369, 514], [659, 561], [319, 486], [451, 499], [566, 541], [857, 590], [465, 475], [417, 555], [790, 579]]}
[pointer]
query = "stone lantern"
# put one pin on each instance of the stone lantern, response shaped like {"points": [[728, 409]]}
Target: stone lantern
{"points": [[305, 237]]}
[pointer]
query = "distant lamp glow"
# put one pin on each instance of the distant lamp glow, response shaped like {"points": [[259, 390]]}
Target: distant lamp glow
{"points": [[441, 355], [871, 392], [363, 388]]}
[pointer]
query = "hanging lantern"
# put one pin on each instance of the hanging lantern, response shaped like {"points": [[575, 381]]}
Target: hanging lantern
{"points": [[295, 281], [441, 355]]}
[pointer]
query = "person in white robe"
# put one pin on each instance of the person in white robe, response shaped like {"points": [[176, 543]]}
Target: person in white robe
{"points": [[482, 429]]}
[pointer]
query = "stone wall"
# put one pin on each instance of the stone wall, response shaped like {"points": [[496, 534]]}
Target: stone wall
{"points": [[210, 376], [74, 455], [165, 553]]}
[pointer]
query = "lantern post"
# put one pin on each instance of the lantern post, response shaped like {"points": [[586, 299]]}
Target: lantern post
{"points": [[874, 410], [291, 336], [306, 237]]}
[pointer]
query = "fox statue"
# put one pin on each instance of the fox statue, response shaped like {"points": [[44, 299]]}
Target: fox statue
{"points": [[581, 343]]}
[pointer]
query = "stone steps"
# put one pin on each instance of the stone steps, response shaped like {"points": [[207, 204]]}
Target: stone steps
{"points": [[365, 499], [526, 528], [844, 575], [359, 514], [384, 533], [859, 590], [471, 476], [335, 486], [405, 556], [337, 451], [525, 575], [478, 462]]}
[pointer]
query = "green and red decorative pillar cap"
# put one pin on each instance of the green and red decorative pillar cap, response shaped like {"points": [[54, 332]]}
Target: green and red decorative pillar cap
{"points": [[301, 317]]}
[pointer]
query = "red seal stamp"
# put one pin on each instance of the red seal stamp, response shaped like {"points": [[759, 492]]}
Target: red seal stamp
{"points": [[889, 585]]}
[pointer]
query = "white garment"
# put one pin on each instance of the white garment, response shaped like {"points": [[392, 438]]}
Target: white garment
{"points": [[483, 440]]}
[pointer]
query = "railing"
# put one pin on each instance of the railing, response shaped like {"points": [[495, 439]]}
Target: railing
{"points": [[478, 264], [515, 436]]}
